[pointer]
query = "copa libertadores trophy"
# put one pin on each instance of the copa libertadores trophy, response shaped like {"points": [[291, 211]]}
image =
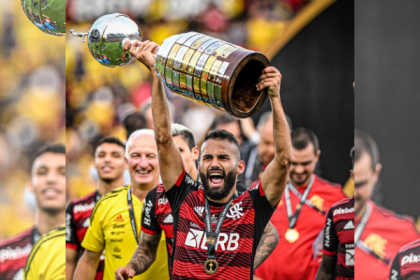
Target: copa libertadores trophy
{"points": [[48, 15], [195, 66]]}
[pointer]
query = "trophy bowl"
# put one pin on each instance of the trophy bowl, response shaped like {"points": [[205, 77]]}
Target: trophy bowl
{"points": [[212, 72], [48, 15], [107, 37], [193, 65]]}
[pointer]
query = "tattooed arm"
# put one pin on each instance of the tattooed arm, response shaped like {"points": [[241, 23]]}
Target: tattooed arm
{"points": [[326, 271], [268, 242], [143, 257]]}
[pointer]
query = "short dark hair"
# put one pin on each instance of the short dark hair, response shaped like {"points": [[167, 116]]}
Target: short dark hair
{"points": [[364, 143], [185, 132], [301, 137], [224, 118], [111, 140], [54, 148], [221, 134], [134, 122]]}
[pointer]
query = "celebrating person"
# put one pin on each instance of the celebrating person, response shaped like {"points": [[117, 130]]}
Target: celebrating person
{"points": [[300, 216], [217, 230], [110, 163], [158, 216], [48, 182], [115, 221]]}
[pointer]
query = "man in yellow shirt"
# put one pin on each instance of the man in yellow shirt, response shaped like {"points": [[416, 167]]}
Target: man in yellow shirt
{"points": [[47, 260], [115, 220]]}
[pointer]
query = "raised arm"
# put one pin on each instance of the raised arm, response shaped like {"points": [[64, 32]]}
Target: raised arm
{"points": [[170, 160], [143, 257], [275, 175], [268, 242]]}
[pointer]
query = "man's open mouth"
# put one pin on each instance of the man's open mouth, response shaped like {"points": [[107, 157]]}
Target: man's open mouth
{"points": [[216, 178]]}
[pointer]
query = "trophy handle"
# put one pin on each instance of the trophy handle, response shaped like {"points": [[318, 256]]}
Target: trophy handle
{"points": [[83, 35], [131, 42]]}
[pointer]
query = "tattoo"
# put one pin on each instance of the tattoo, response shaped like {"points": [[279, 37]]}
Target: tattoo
{"points": [[268, 243], [326, 271], [145, 253]]}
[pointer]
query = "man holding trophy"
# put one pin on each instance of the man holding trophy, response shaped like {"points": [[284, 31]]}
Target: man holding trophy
{"points": [[216, 229]]}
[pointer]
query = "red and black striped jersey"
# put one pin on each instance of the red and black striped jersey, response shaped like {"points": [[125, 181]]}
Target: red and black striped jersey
{"points": [[406, 264], [159, 217], [238, 239], [13, 253], [78, 214], [339, 237]]}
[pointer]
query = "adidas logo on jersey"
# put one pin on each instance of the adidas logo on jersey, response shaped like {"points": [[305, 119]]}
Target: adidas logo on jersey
{"points": [[86, 223], [225, 242], [119, 219], [410, 259], [349, 225], [169, 219], [199, 210]]}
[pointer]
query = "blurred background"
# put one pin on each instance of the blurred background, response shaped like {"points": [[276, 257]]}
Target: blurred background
{"points": [[32, 76], [305, 40], [310, 42], [387, 67]]}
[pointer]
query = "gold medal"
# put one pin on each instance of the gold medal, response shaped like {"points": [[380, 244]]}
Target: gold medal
{"points": [[211, 266], [291, 235]]}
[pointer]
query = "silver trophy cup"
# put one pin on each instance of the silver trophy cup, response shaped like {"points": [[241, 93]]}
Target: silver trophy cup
{"points": [[48, 15], [107, 37]]}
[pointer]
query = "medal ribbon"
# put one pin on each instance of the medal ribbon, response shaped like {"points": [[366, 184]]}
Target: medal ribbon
{"points": [[307, 202], [132, 217], [293, 217], [358, 233], [212, 236], [361, 226]]}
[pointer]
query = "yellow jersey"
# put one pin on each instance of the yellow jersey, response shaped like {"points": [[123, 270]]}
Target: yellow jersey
{"points": [[110, 228], [47, 260]]}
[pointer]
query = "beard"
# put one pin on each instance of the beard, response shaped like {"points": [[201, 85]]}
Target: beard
{"points": [[299, 182], [219, 193]]}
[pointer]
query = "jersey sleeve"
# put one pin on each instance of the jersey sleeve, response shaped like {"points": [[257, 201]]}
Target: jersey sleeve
{"points": [[395, 273], [330, 236], [149, 223], [71, 234], [94, 239], [263, 210], [183, 186]]}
